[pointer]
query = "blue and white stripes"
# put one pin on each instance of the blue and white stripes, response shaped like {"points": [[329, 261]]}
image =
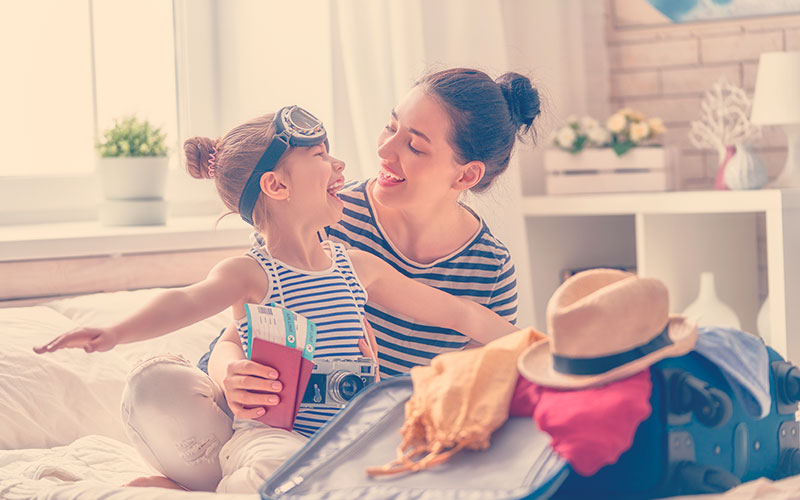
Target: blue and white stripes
{"points": [[333, 299], [482, 271]]}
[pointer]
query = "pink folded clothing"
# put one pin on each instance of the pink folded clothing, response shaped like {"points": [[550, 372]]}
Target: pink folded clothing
{"points": [[590, 428]]}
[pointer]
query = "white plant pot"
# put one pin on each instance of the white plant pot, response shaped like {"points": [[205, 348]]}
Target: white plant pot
{"points": [[133, 212], [133, 178], [133, 189], [601, 170]]}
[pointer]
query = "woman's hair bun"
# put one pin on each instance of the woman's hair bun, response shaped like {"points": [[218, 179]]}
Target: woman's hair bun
{"points": [[198, 152], [522, 98]]}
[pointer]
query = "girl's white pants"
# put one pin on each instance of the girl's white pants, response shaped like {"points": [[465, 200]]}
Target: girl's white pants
{"points": [[177, 418]]}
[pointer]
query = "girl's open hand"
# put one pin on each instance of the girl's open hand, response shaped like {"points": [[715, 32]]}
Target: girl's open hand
{"points": [[251, 388], [86, 338]]}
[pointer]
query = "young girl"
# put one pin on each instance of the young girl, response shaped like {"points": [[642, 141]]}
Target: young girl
{"points": [[277, 173]]}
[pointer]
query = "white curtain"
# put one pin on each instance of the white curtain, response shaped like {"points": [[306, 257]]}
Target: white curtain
{"points": [[377, 53], [379, 48]]}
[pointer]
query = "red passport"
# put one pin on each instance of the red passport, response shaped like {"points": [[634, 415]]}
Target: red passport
{"points": [[294, 372], [285, 341]]}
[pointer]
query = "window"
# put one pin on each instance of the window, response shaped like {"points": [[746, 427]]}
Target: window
{"points": [[72, 67], [134, 54], [78, 64], [48, 119]]}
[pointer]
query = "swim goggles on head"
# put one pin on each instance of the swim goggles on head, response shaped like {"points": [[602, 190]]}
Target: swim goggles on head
{"points": [[294, 127]]}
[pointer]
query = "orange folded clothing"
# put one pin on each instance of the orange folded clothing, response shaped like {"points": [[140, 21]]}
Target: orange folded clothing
{"points": [[458, 401]]}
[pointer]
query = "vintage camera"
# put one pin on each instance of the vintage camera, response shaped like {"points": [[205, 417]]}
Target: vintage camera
{"points": [[335, 381]]}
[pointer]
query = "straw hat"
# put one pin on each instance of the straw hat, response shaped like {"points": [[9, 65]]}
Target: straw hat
{"points": [[605, 325]]}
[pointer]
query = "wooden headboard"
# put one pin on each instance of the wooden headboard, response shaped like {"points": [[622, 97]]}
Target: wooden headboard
{"points": [[26, 282]]}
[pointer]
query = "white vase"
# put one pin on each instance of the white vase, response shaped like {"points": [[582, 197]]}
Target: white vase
{"points": [[744, 170], [708, 309], [762, 321]]}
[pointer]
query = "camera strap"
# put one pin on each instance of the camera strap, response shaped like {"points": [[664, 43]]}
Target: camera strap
{"points": [[334, 250], [353, 296]]}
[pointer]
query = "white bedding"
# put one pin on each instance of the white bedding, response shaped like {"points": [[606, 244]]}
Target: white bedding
{"points": [[61, 435]]}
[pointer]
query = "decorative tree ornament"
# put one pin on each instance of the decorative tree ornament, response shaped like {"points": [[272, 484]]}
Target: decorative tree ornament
{"points": [[724, 122]]}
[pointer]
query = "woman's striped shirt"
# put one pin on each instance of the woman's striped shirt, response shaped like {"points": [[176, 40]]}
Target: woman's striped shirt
{"points": [[481, 270], [333, 299]]}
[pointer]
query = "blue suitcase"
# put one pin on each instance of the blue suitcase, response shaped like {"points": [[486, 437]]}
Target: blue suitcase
{"points": [[519, 464], [699, 439]]}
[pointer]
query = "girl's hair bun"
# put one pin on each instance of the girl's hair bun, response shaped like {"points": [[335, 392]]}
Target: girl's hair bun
{"points": [[198, 152]]}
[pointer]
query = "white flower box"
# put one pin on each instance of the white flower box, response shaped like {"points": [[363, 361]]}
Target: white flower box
{"points": [[600, 170]]}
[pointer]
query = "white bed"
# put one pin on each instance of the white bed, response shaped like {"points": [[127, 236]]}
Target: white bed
{"points": [[61, 435]]}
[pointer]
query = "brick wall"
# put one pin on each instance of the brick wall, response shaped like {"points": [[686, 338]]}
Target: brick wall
{"points": [[663, 69]]}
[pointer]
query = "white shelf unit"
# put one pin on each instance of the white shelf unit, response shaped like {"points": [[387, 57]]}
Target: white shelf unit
{"points": [[674, 236]]}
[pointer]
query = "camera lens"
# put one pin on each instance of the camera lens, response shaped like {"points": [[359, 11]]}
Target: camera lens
{"points": [[344, 386]]}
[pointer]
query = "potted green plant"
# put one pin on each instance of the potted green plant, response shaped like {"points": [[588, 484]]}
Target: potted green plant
{"points": [[133, 170]]}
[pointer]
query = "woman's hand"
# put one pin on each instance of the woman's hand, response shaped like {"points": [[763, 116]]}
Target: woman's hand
{"points": [[369, 340], [365, 347], [250, 388], [89, 339]]}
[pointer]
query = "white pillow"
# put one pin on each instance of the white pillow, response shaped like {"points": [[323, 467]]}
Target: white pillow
{"points": [[52, 399]]}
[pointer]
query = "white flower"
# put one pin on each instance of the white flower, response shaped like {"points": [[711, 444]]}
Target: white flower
{"points": [[616, 123], [572, 120], [639, 131], [588, 123], [565, 137], [631, 114], [599, 136], [656, 126]]}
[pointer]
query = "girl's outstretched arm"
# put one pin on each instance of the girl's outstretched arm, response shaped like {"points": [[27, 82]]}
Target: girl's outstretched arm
{"points": [[229, 282], [389, 288]]}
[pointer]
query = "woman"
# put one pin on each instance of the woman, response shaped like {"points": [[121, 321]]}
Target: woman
{"points": [[453, 132]]}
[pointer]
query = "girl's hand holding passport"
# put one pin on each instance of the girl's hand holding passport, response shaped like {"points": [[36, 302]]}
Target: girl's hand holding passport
{"points": [[283, 340]]}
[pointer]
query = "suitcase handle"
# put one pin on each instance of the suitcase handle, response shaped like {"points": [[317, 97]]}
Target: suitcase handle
{"points": [[789, 464], [710, 406], [787, 381], [696, 478]]}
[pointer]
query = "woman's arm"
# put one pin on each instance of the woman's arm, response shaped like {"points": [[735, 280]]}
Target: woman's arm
{"points": [[387, 287], [228, 283]]}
